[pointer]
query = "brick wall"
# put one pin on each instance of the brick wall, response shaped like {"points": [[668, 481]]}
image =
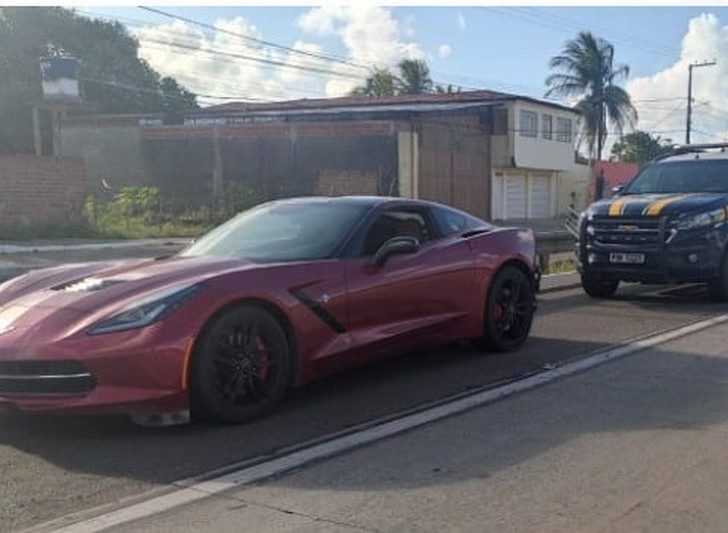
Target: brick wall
{"points": [[38, 190], [332, 182]]}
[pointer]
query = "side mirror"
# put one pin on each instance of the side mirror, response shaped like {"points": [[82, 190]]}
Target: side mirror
{"points": [[395, 246], [616, 191]]}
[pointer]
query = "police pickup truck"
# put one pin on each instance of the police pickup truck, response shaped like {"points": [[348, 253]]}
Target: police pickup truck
{"points": [[667, 225]]}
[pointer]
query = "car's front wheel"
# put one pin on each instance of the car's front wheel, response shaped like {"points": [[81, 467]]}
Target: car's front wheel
{"points": [[241, 367], [599, 288], [509, 310], [718, 287]]}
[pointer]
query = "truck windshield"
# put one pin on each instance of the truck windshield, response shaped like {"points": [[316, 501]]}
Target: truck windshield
{"points": [[681, 176]]}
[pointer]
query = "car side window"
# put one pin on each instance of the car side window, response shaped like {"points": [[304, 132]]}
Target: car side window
{"points": [[395, 223], [450, 222]]}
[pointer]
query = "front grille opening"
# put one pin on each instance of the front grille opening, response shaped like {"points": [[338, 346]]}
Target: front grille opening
{"points": [[626, 231], [45, 377]]}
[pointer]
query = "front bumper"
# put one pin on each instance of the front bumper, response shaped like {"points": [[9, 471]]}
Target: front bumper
{"points": [[696, 256], [129, 373]]}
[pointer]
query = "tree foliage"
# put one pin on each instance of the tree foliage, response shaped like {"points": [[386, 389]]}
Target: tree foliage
{"points": [[413, 77], [113, 79], [639, 147], [585, 70], [381, 83]]}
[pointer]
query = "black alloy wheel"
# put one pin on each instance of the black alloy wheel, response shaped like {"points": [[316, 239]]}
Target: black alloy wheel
{"points": [[241, 368], [718, 287], [509, 310]]}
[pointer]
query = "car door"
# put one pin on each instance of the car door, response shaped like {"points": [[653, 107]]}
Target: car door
{"points": [[412, 298]]}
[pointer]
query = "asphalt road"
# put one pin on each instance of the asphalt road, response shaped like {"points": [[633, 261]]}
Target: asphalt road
{"points": [[635, 445], [52, 466]]}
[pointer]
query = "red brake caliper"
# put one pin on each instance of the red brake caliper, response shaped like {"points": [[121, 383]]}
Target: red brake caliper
{"points": [[262, 353]]}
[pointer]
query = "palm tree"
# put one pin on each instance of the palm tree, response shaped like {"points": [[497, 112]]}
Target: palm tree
{"points": [[414, 77], [585, 69], [381, 83], [446, 89]]}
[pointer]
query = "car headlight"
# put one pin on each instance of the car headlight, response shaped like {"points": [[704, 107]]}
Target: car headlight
{"points": [[147, 311], [701, 220]]}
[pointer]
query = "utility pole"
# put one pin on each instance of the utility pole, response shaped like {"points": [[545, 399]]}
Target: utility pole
{"points": [[691, 66]]}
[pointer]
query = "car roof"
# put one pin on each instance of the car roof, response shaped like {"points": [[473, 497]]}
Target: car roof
{"points": [[694, 156], [363, 200]]}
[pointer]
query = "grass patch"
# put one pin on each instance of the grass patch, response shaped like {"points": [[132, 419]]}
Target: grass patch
{"points": [[48, 231], [561, 267], [133, 228]]}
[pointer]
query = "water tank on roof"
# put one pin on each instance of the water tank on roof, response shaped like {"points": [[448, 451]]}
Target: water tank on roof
{"points": [[60, 79]]}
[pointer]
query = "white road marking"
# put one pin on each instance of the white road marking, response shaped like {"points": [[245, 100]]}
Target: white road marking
{"points": [[267, 468]]}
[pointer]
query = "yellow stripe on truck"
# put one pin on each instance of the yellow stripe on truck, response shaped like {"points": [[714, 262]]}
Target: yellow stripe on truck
{"points": [[655, 208], [617, 207]]}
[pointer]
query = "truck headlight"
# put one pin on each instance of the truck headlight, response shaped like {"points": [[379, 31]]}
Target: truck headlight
{"points": [[701, 220]]}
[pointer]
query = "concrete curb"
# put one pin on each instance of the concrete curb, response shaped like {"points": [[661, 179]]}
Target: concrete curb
{"points": [[560, 282], [31, 248]]}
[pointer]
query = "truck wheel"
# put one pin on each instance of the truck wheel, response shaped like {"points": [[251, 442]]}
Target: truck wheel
{"points": [[599, 288], [718, 287]]}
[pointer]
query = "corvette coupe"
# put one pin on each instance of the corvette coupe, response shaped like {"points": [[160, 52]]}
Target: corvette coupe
{"points": [[277, 296]]}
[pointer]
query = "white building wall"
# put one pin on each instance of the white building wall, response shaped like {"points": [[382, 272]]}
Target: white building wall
{"points": [[537, 152]]}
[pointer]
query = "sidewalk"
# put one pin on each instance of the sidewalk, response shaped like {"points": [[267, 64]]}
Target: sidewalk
{"points": [[637, 444]]}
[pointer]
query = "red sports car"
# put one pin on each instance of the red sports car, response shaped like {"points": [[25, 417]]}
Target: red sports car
{"points": [[279, 295]]}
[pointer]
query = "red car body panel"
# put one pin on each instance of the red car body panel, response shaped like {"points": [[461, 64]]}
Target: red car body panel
{"points": [[435, 295]]}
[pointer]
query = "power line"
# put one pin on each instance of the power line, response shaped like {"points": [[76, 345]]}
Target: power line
{"points": [[253, 39], [272, 62], [509, 86], [160, 93], [638, 42]]}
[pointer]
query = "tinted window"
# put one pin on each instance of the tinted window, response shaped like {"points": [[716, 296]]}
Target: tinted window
{"points": [[682, 176], [395, 223], [282, 232], [450, 221]]}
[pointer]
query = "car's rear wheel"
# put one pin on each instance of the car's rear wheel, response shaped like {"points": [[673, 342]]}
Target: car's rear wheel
{"points": [[509, 310], [241, 366], [599, 288]]}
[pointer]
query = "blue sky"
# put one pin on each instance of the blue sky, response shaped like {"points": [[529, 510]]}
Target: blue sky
{"points": [[648, 39], [502, 48]]}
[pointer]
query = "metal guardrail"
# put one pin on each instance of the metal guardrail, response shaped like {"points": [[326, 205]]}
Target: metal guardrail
{"points": [[554, 242], [572, 222]]}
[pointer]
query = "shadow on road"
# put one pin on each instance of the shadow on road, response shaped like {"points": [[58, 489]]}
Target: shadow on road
{"points": [[36, 448], [112, 446], [653, 391]]}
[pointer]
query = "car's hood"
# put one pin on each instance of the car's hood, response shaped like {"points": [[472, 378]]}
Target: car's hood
{"points": [[92, 286], [635, 205]]}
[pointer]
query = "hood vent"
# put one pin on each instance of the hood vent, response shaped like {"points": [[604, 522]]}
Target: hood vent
{"points": [[87, 285]]}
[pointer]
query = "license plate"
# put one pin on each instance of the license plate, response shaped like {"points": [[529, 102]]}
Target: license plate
{"points": [[627, 258]]}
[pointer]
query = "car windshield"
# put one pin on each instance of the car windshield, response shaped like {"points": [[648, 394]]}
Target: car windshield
{"points": [[682, 176], [281, 232]]}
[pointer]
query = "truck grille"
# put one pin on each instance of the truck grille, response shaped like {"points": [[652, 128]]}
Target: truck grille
{"points": [[626, 231], [45, 377]]}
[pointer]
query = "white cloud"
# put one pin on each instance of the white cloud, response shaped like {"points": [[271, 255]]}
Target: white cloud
{"points": [[461, 21], [226, 73], [371, 35], [444, 50], [706, 38]]}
